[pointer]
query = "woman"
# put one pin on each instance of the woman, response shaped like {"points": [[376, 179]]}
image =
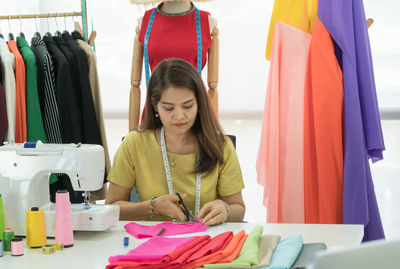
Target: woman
{"points": [[181, 148]]}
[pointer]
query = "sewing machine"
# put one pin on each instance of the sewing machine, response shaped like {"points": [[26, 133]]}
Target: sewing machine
{"points": [[24, 183]]}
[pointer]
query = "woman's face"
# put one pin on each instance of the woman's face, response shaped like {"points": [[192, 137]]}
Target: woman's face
{"points": [[177, 109]]}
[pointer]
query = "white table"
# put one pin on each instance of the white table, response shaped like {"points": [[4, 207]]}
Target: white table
{"points": [[92, 249]]}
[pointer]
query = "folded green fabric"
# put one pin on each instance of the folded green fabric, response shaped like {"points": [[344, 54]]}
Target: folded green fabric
{"points": [[248, 256]]}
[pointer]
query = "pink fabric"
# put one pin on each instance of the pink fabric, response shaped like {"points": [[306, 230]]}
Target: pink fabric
{"points": [[280, 161], [145, 231], [153, 249]]}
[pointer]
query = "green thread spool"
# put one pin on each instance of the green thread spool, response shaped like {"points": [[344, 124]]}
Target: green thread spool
{"points": [[8, 235], [2, 220]]}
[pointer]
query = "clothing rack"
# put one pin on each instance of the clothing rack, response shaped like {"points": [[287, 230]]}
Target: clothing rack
{"points": [[82, 13]]}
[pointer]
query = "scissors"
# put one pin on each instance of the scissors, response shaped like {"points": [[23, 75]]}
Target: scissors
{"points": [[188, 215]]}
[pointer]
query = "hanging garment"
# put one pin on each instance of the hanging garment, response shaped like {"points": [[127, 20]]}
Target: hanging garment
{"points": [[174, 36], [323, 128], [7, 61], [35, 130], [67, 104], [153, 249], [47, 90], [3, 114], [266, 246], [280, 158], [20, 91], [297, 13], [95, 87], [363, 139], [66, 97], [145, 231], [90, 129]]}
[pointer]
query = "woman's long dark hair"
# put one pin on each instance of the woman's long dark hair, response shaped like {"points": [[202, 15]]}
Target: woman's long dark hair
{"points": [[181, 74]]}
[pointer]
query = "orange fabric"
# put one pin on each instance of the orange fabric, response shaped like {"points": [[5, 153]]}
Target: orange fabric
{"points": [[323, 127], [20, 84], [235, 252], [222, 254]]}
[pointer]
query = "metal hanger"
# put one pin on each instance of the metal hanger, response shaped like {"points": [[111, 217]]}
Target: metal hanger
{"points": [[20, 27], [1, 35], [36, 34], [57, 33], [10, 35], [65, 25], [48, 29]]}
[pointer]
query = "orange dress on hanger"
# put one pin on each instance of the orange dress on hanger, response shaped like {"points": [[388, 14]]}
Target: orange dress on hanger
{"points": [[323, 128], [20, 83]]}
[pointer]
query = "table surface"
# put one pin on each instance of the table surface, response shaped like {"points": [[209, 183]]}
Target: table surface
{"points": [[92, 249]]}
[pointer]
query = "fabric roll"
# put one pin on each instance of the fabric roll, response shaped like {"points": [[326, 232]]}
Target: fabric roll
{"points": [[34, 121], [7, 61], [323, 128], [145, 231], [280, 160], [20, 94], [363, 139], [297, 13]]}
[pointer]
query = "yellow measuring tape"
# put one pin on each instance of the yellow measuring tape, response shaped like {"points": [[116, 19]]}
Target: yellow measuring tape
{"points": [[48, 249]]}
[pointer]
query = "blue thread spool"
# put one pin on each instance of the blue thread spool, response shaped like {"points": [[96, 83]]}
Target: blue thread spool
{"points": [[1, 248]]}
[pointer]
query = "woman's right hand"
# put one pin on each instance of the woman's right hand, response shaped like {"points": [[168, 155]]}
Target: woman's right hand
{"points": [[166, 205]]}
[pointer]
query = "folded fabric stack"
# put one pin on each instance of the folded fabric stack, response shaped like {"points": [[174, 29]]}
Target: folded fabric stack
{"points": [[226, 250]]}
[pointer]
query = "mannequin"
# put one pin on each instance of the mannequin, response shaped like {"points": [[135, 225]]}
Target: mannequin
{"points": [[171, 7]]}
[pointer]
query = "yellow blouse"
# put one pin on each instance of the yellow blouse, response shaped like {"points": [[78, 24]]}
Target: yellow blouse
{"points": [[138, 162]]}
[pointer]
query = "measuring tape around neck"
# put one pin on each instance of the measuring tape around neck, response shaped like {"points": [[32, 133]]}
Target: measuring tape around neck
{"points": [[168, 173]]}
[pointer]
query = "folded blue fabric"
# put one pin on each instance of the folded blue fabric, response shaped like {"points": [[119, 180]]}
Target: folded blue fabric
{"points": [[286, 252]]}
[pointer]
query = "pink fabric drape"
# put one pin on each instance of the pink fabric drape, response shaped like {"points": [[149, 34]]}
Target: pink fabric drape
{"points": [[280, 161]]}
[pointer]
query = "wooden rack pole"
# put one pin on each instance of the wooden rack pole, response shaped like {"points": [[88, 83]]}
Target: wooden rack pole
{"points": [[42, 15]]}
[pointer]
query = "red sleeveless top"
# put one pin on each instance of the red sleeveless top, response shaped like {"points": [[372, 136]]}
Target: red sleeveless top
{"points": [[175, 37]]}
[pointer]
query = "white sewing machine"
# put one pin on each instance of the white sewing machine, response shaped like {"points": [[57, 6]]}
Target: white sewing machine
{"points": [[24, 183]]}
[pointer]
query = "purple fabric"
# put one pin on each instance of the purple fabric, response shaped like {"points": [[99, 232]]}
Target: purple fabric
{"points": [[363, 139], [145, 231], [153, 249]]}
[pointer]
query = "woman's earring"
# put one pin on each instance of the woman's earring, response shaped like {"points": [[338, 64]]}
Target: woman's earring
{"points": [[156, 114]]}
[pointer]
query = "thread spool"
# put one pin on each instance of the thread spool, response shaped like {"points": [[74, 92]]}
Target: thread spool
{"points": [[1, 248], [8, 235], [2, 220], [17, 247], [64, 233], [35, 228]]}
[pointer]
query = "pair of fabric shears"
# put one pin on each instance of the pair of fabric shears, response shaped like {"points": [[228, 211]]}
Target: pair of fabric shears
{"points": [[185, 210]]}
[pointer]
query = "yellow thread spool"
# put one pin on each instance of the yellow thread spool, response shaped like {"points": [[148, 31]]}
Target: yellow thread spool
{"points": [[35, 228], [48, 249]]}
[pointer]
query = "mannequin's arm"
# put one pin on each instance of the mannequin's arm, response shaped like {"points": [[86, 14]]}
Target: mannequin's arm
{"points": [[136, 75], [213, 56]]}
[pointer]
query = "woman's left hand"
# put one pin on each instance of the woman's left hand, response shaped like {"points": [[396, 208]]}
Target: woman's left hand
{"points": [[214, 212]]}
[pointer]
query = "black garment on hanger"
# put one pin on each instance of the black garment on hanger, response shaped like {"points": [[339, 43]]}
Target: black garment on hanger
{"points": [[47, 91], [68, 111], [90, 128], [76, 35], [3, 115]]}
